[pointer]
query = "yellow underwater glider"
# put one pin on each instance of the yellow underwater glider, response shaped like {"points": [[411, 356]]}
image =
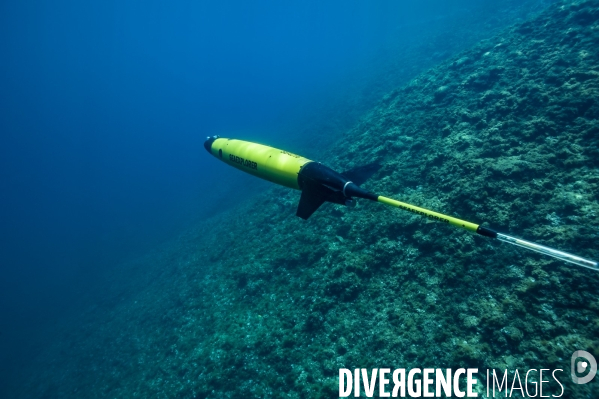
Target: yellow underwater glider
{"points": [[319, 184]]}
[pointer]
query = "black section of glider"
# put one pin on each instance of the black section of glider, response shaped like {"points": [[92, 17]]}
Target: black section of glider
{"points": [[313, 196], [321, 184]]}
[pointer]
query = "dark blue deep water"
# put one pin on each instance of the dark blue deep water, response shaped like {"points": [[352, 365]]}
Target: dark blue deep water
{"points": [[104, 107]]}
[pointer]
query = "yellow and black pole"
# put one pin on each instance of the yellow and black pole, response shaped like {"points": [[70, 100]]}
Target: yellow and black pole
{"points": [[320, 184], [487, 232]]}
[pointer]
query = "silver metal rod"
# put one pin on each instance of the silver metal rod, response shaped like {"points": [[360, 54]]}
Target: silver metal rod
{"points": [[577, 260]]}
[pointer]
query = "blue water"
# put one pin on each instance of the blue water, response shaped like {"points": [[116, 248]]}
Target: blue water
{"points": [[104, 107]]}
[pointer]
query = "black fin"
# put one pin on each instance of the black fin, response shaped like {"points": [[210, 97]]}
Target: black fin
{"points": [[312, 198], [362, 173]]}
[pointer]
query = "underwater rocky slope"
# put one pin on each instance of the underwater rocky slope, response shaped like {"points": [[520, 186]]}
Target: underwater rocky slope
{"points": [[259, 303], [438, 38]]}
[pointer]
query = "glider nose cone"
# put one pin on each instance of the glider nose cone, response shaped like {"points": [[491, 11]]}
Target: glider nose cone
{"points": [[208, 143]]}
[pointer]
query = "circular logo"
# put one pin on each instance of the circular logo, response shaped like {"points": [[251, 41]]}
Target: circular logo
{"points": [[583, 366]]}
